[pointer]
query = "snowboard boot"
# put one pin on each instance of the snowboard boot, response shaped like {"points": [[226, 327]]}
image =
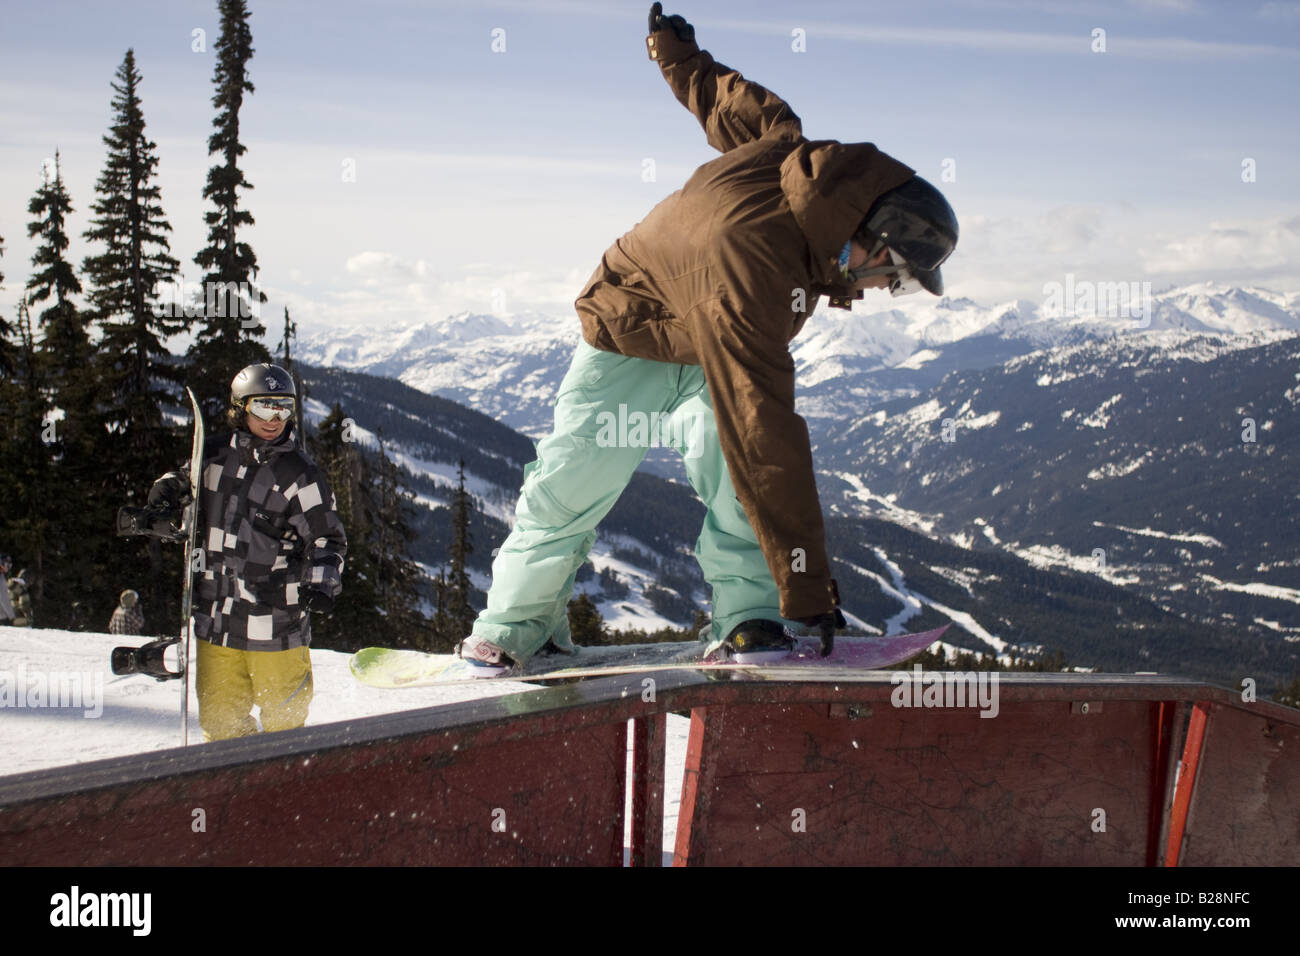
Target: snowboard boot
{"points": [[758, 641], [485, 658]]}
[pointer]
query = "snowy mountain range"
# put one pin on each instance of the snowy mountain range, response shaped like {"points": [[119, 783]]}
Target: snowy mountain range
{"points": [[509, 367], [1018, 471]]}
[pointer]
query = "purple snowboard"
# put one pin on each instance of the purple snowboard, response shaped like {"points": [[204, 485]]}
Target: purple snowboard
{"points": [[866, 653]]}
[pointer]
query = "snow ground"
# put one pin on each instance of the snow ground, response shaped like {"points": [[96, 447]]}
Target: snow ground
{"points": [[60, 705]]}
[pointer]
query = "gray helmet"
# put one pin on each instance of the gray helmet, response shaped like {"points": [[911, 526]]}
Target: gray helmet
{"points": [[128, 599], [915, 221], [261, 379]]}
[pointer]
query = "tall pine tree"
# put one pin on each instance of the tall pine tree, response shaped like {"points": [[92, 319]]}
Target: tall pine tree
{"points": [[134, 366], [8, 352], [286, 362], [441, 637], [65, 344], [454, 612], [230, 333], [8, 396], [123, 280], [75, 560], [397, 576], [460, 611], [24, 520]]}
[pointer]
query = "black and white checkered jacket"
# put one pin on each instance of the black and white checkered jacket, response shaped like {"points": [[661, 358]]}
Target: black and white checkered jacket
{"points": [[268, 529]]}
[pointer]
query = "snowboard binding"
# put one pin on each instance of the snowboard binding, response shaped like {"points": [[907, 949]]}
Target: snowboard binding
{"points": [[146, 659], [156, 522]]}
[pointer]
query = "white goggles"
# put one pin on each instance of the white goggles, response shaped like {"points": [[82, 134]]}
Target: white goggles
{"points": [[270, 409], [901, 280]]}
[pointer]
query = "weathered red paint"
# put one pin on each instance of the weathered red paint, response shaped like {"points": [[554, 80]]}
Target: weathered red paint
{"points": [[1186, 781], [1244, 807], [796, 786], [476, 796], [648, 737], [1168, 718], [793, 771]]}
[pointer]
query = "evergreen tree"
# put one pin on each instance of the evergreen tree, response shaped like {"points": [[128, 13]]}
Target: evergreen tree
{"points": [[440, 629], [585, 622], [8, 353], [8, 410], [286, 362], [397, 576], [129, 220], [75, 557], [380, 603], [355, 621], [65, 345], [230, 333], [24, 519], [8, 396], [134, 365], [460, 611]]}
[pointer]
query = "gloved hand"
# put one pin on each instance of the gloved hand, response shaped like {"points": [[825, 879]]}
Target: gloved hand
{"points": [[317, 602], [658, 21], [827, 623], [171, 492]]}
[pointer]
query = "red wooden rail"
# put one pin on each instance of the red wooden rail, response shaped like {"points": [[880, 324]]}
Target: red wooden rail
{"points": [[1071, 770]]}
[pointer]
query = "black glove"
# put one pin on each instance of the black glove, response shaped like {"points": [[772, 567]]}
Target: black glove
{"points": [[827, 623], [170, 492], [658, 21], [317, 602]]}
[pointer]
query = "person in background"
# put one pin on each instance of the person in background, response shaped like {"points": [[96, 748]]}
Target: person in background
{"points": [[20, 598], [127, 617], [273, 547], [6, 607]]}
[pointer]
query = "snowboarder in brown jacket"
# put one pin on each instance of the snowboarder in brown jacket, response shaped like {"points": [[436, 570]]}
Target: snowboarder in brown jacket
{"points": [[718, 279]]}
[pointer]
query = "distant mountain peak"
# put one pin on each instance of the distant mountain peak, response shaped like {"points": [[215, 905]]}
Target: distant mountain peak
{"points": [[509, 366]]}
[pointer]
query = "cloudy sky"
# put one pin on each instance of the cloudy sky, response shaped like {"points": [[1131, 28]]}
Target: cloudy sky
{"points": [[404, 169]]}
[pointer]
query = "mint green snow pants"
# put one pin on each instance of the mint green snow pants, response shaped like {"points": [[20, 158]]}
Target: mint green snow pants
{"points": [[609, 411]]}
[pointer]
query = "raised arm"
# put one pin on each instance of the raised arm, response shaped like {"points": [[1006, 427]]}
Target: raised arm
{"points": [[732, 110]]}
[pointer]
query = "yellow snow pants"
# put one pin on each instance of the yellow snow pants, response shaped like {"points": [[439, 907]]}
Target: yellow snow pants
{"points": [[229, 682]]}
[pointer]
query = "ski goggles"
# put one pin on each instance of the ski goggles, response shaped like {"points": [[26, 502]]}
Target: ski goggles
{"points": [[269, 409], [901, 280]]}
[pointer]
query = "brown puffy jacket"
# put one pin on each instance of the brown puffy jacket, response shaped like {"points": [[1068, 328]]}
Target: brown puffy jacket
{"points": [[724, 273]]}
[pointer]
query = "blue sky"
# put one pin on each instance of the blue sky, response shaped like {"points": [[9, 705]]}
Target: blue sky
{"points": [[488, 179]]}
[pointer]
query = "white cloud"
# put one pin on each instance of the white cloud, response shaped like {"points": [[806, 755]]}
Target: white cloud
{"points": [[388, 289], [1248, 248], [999, 258], [376, 267]]}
